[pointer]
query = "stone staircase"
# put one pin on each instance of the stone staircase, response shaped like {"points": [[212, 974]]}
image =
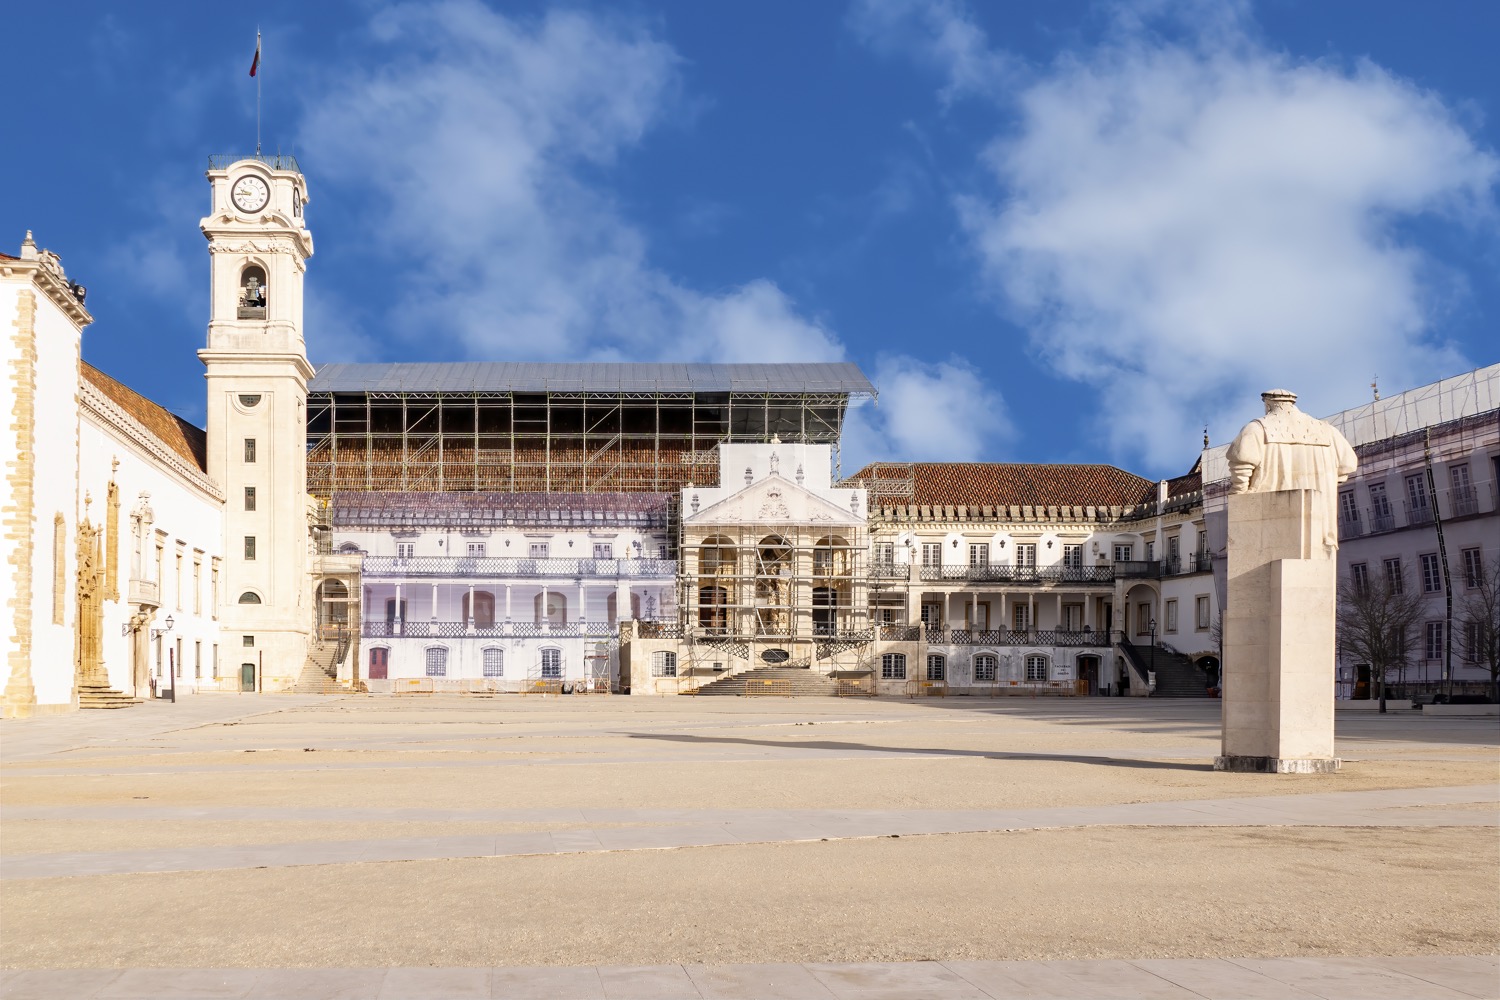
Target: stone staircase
{"points": [[320, 672], [1176, 676], [802, 682], [102, 696]]}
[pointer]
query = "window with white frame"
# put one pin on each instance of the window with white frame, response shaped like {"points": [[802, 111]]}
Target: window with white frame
{"points": [[1150, 549], [885, 553], [663, 663], [475, 550], [604, 550], [1036, 667], [437, 661], [1123, 553], [1380, 503], [1144, 622], [537, 550], [551, 663], [932, 615], [1201, 613], [1171, 609], [1473, 568], [1072, 617], [1348, 511], [1026, 554], [1174, 546], [932, 554], [494, 661], [893, 667], [1359, 577], [1395, 580], [979, 554], [1072, 557], [937, 666], [406, 550], [1473, 651], [1432, 573], [1416, 492], [1020, 617], [1433, 646], [986, 666]]}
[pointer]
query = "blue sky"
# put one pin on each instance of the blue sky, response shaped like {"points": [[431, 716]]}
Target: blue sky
{"points": [[1061, 231]]}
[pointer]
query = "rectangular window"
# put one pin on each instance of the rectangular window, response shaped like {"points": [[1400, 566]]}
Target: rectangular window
{"points": [[197, 585], [1150, 550], [661, 551], [213, 589], [1359, 577], [1020, 616], [1200, 613], [1418, 507], [552, 663], [985, 667], [936, 666], [1036, 668], [249, 547], [979, 554], [1026, 554], [663, 664], [1395, 581], [885, 553], [1463, 491], [893, 667], [1174, 546], [1072, 617], [249, 450], [437, 661], [1433, 647], [249, 497], [1073, 557], [1143, 620], [1348, 512], [538, 550], [1473, 568], [1171, 607], [932, 615], [247, 640], [177, 577], [932, 555], [406, 550], [1381, 518], [474, 550], [1432, 573], [1474, 642], [198, 658], [494, 662], [604, 550], [1123, 553]]}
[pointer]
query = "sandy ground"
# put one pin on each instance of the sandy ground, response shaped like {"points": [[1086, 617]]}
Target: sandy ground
{"points": [[1091, 892]]}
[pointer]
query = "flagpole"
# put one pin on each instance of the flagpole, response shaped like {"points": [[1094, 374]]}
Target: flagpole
{"points": [[257, 91]]}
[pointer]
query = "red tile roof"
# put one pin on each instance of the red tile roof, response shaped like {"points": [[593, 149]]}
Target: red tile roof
{"points": [[1010, 484], [187, 441]]}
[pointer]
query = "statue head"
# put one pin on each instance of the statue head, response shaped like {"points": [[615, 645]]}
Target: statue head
{"points": [[1278, 399]]}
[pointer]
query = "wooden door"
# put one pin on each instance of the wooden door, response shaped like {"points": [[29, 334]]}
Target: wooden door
{"points": [[380, 658]]}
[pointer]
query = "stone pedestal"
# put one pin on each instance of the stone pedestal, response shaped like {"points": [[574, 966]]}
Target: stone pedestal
{"points": [[1278, 636]]}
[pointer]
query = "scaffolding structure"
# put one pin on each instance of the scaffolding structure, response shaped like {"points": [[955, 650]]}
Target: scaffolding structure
{"points": [[774, 594], [558, 428]]}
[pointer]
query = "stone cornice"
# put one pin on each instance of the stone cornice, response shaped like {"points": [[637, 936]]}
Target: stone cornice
{"points": [[53, 283], [111, 415]]}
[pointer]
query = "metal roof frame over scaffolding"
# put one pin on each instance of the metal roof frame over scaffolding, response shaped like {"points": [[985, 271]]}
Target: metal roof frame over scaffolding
{"points": [[543, 428]]}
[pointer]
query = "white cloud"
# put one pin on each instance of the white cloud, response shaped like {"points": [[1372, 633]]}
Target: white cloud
{"points": [[938, 412], [939, 34], [484, 142], [1185, 224]]}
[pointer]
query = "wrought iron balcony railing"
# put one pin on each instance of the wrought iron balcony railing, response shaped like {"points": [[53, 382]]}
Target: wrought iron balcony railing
{"points": [[428, 629], [1002, 573], [515, 567]]}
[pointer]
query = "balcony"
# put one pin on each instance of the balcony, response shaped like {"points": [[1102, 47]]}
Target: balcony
{"points": [[145, 593], [427, 629], [1016, 637], [1137, 569], [1418, 514], [496, 567], [1018, 574], [1381, 519], [889, 571], [1350, 527], [1464, 502]]}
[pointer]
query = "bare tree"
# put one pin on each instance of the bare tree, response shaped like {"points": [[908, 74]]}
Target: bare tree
{"points": [[1377, 625], [1479, 621]]}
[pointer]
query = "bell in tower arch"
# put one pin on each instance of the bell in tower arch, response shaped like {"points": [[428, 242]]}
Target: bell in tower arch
{"points": [[252, 304]]}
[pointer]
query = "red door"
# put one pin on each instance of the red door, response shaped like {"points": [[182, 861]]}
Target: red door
{"points": [[379, 659]]}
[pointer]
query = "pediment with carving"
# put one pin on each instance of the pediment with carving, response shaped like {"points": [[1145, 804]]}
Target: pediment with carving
{"points": [[776, 500]]}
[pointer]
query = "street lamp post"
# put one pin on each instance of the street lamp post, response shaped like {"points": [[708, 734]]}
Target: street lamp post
{"points": [[1153, 656]]}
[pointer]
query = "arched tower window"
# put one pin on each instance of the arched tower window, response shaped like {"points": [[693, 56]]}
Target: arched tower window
{"points": [[254, 294]]}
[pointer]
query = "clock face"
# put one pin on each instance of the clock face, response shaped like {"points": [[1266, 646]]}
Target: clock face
{"points": [[250, 194], [296, 204]]}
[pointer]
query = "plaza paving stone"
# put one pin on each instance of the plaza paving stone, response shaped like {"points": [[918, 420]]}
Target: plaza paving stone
{"points": [[743, 847]]}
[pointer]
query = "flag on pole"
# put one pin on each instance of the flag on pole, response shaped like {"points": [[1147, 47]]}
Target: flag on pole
{"points": [[255, 63]]}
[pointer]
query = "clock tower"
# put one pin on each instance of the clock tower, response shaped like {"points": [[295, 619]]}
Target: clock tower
{"points": [[257, 372]]}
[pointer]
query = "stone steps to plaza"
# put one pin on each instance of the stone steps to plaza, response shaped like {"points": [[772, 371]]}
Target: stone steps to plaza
{"points": [[99, 696], [794, 682]]}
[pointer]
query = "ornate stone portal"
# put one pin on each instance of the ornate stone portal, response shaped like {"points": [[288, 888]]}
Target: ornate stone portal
{"points": [[91, 677], [1279, 618]]}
